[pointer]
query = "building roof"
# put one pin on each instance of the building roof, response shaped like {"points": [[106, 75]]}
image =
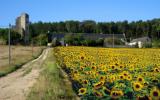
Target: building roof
{"points": [[91, 36], [142, 39]]}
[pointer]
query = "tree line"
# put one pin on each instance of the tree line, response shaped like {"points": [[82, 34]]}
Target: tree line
{"points": [[132, 29], [40, 30]]}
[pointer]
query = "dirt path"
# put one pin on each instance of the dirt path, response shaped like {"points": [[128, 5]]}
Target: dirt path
{"points": [[15, 86]]}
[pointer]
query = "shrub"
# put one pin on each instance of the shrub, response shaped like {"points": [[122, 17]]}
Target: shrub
{"points": [[156, 43], [147, 45]]}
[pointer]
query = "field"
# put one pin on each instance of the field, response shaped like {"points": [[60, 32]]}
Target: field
{"points": [[19, 56], [105, 73]]}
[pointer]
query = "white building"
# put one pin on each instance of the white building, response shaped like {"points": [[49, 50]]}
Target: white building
{"points": [[139, 41]]}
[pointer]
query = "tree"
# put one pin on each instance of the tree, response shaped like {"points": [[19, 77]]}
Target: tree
{"points": [[62, 27], [88, 26], [40, 39], [72, 26]]}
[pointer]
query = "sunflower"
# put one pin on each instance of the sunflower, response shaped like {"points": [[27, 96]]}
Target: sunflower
{"points": [[85, 82], [155, 93], [102, 78], [82, 91], [94, 67], [82, 57], [112, 67], [98, 85], [125, 73], [145, 73], [112, 78], [156, 70], [140, 79], [98, 94], [121, 67], [121, 77], [137, 86], [115, 94], [129, 78]]}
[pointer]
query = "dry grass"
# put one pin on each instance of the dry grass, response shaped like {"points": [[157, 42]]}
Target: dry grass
{"points": [[53, 83], [19, 56]]}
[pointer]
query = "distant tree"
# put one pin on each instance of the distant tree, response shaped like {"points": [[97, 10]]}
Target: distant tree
{"points": [[40, 40], [88, 26], [103, 28], [158, 31], [62, 27], [68, 39], [72, 26], [132, 30]]}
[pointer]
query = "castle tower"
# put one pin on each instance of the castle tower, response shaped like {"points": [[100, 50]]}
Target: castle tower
{"points": [[22, 26]]}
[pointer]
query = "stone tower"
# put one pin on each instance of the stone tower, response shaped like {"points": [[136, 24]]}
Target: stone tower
{"points": [[22, 26]]}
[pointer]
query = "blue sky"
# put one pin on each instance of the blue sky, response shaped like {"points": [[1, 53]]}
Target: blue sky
{"points": [[62, 10]]}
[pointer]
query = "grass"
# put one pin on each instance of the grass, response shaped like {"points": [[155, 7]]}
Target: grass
{"points": [[20, 55], [53, 83]]}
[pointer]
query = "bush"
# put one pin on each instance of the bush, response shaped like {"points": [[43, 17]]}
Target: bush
{"points": [[156, 43], [41, 40], [2, 41], [109, 42], [147, 45]]}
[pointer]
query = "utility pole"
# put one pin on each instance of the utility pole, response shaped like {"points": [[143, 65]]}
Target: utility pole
{"points": [[113, 40], [9, 44], [32, 47]]}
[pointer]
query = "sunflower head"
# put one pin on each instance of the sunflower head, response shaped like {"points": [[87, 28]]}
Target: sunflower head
{"points": [[115, 94], [102, 78], [82, 57], [137, 86], [140, 79], [155, 93], [98, 94], [112, 67], [85, 82], [129, 77], [121, 77], [98, 85], [125, 73], [121, 67], [156, 70], [94, 67], [82, 91]]}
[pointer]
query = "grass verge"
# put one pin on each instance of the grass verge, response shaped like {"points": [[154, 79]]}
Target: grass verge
{"points": [[53, 83]]}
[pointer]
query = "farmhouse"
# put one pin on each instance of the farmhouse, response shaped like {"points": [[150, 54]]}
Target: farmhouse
{"points": [[140, 41], [88, 36]]}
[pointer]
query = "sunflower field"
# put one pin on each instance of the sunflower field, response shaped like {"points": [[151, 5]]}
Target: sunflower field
{"points": [[112, 73]]}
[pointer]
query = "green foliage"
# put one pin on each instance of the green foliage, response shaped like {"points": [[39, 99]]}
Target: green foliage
{"points": [[147, 45], [74, 39], [156, 43], [133, 29], [15, 37], [72, 26], [79, 39], [68, 39], [88, 26], [116, 41], [41, 39]]}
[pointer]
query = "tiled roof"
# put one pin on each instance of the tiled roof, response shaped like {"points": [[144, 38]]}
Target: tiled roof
{"points": [[89, 35]]}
